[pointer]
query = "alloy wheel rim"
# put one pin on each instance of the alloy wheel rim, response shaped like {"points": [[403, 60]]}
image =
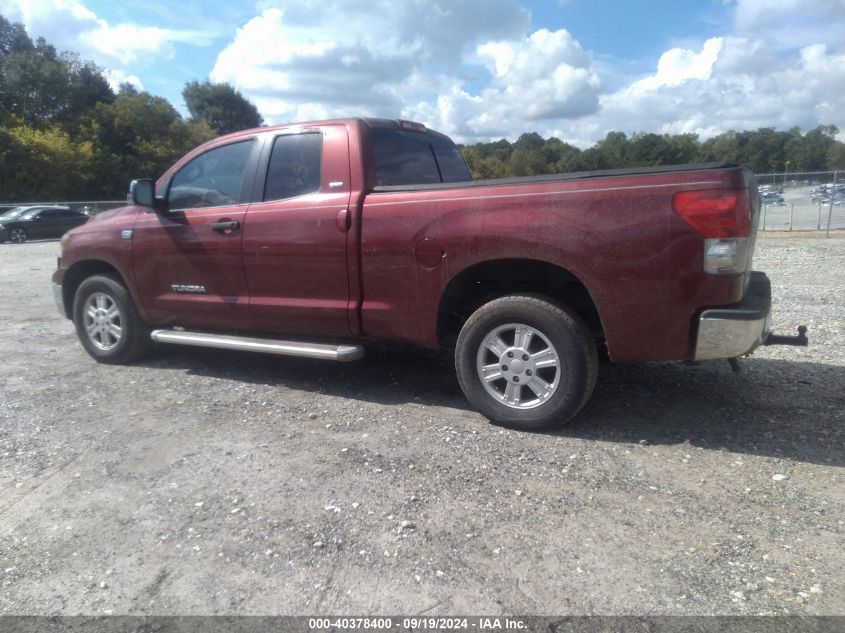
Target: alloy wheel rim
{"points": [[518, 366], [102, 321], [17, 236]]}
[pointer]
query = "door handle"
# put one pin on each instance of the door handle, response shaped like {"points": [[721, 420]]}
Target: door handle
{"points": [[225, 226]]}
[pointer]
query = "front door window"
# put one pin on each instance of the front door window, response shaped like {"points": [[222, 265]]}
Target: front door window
{"points": [[212, 179]]}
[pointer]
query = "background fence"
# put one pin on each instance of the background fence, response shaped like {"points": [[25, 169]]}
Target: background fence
{"points": [[802, 201], [791, 201], [89, 207]]}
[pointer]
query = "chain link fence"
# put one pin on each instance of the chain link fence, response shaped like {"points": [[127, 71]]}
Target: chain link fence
{"points": [[802, 201], [791, 201], [88, 207]]}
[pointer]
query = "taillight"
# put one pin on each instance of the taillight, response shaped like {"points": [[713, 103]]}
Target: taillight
{"points": [[715, 213], [723, 218]]}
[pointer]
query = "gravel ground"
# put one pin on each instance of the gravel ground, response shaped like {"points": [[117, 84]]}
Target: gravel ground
{"points": [[202, 482]]}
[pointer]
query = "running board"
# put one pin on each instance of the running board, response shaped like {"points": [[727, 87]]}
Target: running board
{"points": [[263, 345]]}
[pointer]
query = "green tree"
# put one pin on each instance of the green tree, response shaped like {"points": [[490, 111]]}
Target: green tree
{"points": [[560, 156], [571, 159], [723, 147], [87, 88], [765, 150], [221, 106], [43, 86], [50, 164], [13, 38], [647, 149], [612, 151], [836, 156], [529, 142], [137, 135], [35, 83], [810, 152], [682, 149]]}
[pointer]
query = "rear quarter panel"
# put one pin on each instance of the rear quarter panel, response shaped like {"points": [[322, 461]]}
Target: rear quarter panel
{"points": [[638, 260]]}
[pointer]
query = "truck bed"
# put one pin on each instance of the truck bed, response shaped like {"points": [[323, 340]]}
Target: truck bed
{"points": [[576, 175], [614, 231]]}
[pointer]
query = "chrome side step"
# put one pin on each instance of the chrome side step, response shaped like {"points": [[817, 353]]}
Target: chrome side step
{"points": [[263, 345]]}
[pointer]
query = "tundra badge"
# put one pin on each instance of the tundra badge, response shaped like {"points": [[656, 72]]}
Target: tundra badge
{"points": [[189, 288]]}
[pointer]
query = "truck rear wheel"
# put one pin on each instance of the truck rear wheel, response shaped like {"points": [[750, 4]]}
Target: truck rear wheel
{"points": [[526, 362], [107, 323]]}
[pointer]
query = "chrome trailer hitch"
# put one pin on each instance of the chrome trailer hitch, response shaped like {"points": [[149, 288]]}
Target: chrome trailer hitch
{"points": [[797, 340]]}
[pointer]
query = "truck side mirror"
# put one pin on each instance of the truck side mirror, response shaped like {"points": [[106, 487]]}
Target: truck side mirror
{"points": [[142, 192]]}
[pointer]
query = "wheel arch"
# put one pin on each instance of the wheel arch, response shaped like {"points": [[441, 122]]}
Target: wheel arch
{"points": [[479, 283], [79, 272]]}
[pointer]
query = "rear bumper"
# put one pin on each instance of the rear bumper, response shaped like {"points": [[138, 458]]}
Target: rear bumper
{"points": [[738, 329]]}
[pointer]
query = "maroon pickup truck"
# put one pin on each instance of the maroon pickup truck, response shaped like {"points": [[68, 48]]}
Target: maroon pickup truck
{"points": [[315, 239]]}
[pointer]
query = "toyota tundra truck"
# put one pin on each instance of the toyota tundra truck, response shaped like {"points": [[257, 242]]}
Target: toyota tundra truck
{"points": [[317, 239]]}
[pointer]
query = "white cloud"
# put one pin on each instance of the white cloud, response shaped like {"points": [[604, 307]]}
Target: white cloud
{"points": [[416, 60], [117, 77], [790, 24], [678, 65], [724, 87], [368, 58], [541, 78], [71, 25], [478, 70], [757, 14]]}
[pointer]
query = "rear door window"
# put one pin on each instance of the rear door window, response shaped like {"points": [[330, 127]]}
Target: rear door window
{"points": [[294, 168]]}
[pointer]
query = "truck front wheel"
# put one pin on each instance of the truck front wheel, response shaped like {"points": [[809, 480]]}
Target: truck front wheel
{"points": [[107, 323], [526, 362]]}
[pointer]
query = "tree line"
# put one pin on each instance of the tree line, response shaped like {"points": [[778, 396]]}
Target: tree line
{"points": [[764, 150], [65, 134]]}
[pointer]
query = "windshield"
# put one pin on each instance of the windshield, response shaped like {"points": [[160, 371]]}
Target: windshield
{"points": [[15, 213]]}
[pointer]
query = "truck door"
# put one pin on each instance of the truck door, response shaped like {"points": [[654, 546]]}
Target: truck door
{"points": [[295, 235], [187, 261]]}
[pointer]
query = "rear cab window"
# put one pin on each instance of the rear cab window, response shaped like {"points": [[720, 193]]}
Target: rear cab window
{"points": [[404, 157]]}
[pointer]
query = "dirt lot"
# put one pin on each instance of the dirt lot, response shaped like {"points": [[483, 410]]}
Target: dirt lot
{"points": [[201, 482]]}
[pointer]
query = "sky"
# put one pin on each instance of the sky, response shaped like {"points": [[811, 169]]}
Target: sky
{"points": [[479, 70]]}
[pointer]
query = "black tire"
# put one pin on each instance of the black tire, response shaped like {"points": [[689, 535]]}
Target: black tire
{"points": [[558, 333], [18, 235], [134, 339]]}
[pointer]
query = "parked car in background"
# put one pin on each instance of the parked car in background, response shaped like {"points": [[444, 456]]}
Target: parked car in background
{"points": [[38, 222], [825, 194], [772, 199], [770, 188], [13, 211]]}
